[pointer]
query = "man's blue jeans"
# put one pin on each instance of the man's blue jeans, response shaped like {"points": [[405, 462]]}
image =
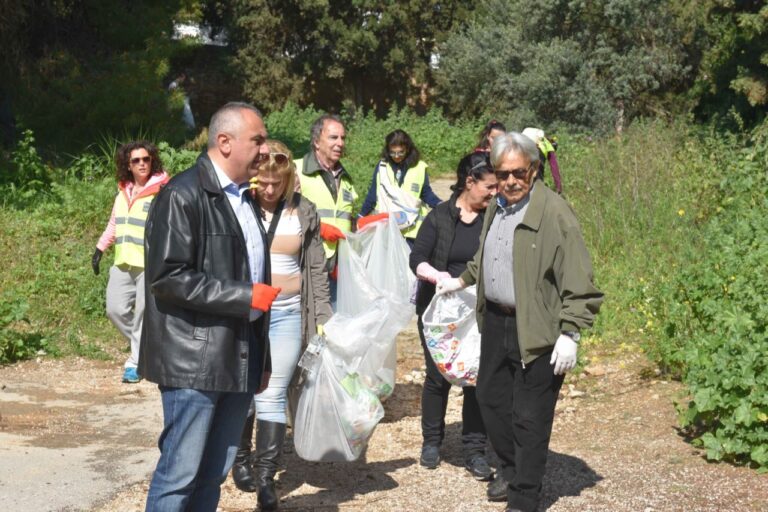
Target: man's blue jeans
{"points": [[201, 433]]}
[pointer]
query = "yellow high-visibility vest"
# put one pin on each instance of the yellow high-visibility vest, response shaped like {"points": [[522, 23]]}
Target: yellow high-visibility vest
{"points": [[130, 219], [413, 183], [338, 213]]}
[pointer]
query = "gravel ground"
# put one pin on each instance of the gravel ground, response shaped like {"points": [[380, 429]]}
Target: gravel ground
{"points": [[614, 448]]}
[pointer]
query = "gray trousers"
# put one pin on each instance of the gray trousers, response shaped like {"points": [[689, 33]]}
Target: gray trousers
{"points": [[125, 306]]}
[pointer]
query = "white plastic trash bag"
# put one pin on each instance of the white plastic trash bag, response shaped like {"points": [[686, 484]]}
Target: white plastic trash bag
{"points": [[453, 341], [349, 373], [336, 412]]}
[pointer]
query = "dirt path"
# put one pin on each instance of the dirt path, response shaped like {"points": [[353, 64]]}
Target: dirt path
{"points": [[74, 438]]}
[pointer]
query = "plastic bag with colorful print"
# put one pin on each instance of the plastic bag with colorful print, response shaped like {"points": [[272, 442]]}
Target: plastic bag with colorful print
{"points": [[453, 341]]}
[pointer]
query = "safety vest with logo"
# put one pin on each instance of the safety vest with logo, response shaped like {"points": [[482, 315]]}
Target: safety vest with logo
{"points": [[338, 213], [413, 182], [130, 219]]}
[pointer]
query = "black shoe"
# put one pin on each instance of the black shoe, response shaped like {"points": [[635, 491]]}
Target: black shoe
{"points": [[430, 456], [270, 437], [497, 489], [242, 472], [478, 466]]}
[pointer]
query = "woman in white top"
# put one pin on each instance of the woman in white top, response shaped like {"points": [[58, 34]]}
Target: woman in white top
{"points": [[297, 261]]}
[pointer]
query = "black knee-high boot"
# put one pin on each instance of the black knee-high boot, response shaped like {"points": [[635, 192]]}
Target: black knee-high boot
{"points": [[242, 470], [269, 446]]}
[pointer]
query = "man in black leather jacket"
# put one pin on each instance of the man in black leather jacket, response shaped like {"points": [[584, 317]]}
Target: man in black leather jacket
{"points": [[204, 338]]}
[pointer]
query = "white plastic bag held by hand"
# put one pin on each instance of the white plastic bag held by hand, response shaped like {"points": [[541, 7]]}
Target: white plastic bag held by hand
{"points": [[564, 354], [451, 335]]}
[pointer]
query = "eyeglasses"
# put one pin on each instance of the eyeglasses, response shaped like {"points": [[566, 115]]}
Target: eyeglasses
{"points": [[145, 159], [278, 158], [519, 174], [397, 154]]}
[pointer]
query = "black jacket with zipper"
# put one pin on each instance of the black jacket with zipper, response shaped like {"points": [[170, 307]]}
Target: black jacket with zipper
{"points": [[196, 332]]}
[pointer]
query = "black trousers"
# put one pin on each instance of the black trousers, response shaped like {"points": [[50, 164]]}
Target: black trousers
{"points": [[518, 407], [434, 400]]}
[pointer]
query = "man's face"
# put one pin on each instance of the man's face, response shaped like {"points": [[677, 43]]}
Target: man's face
{"points": [[515, 175], [247, 146], [330, 145]]}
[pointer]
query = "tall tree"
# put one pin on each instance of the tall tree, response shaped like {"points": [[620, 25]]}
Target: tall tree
{"points": [[732, 82], [79, 70], [356, 53], [590, 64]]}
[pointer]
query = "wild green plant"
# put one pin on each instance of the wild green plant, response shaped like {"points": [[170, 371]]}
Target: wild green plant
{"points": [[716, 317]]}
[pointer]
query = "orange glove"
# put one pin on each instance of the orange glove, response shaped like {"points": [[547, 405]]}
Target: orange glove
{"points": [[330, 233], [364, 221], [263, 295]]}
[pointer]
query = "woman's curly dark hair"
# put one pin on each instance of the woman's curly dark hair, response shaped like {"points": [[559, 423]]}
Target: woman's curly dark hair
{"points": [[401, 138], [123, 159]]}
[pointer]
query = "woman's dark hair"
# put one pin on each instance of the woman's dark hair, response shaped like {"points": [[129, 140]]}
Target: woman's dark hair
{"points": [[482, 142], [475, 166], [123, 159], [400, 138]]}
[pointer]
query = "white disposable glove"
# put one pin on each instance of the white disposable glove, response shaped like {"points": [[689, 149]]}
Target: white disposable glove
{"points": [[564, 354], [452, 284], [427, 272]]}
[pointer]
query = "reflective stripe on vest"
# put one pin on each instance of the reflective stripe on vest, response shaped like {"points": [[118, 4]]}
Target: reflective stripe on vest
{"points": [[129, 230], [413, 182], [337, 214]]}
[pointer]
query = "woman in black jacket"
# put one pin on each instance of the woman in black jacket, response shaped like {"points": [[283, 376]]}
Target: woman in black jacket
{"points": [[448, 239]]}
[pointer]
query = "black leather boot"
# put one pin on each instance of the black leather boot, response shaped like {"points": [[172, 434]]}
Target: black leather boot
{"points": [[269, 446], [242, 470]]}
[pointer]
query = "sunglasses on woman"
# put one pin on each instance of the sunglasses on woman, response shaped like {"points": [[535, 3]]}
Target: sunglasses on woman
{"points": [[278, 158], [145, 159]]}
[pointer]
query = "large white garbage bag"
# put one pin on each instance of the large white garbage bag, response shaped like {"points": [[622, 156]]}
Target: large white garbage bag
{"points": [[353, 369], [453, 341]]}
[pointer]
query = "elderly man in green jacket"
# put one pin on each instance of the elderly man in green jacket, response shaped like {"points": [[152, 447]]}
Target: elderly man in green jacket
{"points": [[534, 294]]}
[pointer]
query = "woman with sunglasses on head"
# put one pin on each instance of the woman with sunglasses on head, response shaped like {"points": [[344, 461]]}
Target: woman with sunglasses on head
{"points": [[139, 178], [449, 239], [400, 183], [297, 262]]}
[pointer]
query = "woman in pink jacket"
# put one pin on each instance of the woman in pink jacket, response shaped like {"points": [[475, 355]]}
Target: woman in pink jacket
{"points": [[139, 178]]}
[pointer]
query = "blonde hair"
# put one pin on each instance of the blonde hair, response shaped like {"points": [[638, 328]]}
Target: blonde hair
{"points": [[286, 171]]}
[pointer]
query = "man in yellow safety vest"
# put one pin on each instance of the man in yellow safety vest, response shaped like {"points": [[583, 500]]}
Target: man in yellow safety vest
{"points": [[325, 182]]}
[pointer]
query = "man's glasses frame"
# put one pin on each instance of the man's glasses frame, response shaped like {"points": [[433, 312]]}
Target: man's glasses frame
{"points": [[145, 159]]}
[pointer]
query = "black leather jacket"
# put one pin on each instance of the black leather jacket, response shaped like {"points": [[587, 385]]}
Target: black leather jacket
{"points": [[196, 332]]}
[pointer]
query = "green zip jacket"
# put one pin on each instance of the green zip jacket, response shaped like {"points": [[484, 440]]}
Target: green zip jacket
{"points": [[552, 274]]}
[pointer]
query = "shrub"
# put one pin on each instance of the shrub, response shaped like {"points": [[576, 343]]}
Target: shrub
{"points": [[717, 318]]}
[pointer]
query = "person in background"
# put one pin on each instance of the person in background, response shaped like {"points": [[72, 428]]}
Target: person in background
{"points": [[298, 268], [547, 148], [325, 182], [400, 183], [139, 178], [204, 340], [489, 132], [535, 292], [448, 239]]}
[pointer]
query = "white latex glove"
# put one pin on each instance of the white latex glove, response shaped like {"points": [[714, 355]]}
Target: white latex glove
{"points": [[451, 284], [427, 272], [564, 354]]}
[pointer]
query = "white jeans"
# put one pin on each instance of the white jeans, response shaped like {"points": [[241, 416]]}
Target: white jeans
{"points": [[125, 306], [285, 347]]}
